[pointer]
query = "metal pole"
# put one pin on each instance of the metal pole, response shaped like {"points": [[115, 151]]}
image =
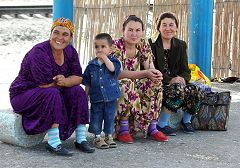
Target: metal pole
{"points": [[200, 34], [63, 8]]}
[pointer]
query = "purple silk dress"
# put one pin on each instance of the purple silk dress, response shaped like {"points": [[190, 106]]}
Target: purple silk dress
{"points": [[42, 107]]}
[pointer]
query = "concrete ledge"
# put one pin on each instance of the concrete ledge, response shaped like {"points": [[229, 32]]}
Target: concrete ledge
{"points": [[11, 130], [176, 119]]}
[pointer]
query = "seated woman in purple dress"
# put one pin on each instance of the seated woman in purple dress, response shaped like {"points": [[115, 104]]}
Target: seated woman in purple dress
{"points": [[47, 91]]}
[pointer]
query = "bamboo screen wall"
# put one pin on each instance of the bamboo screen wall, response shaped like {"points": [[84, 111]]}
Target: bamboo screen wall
{"points": [[95, 16], [226, 52]]}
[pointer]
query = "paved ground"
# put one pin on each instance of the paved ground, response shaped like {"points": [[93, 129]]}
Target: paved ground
{"points": [[211, 149]]}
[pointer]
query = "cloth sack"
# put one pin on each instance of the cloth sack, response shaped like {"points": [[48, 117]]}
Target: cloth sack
{"points": [[214, 112]]}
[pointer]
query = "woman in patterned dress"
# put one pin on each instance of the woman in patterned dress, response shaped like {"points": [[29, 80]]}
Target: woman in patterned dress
{"points": [[140, 83]]}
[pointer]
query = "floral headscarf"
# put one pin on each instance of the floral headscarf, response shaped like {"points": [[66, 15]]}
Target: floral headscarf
{"points": [[63, 22]]}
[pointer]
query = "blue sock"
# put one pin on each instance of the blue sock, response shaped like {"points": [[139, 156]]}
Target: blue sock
{"points": [[53, 137], [81, 133], [163, 119], [187, 118]]}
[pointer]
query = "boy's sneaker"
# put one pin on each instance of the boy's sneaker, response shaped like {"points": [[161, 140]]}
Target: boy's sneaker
{"points": [[187, 127], [167, 130], [109, 140], [100, 143]]}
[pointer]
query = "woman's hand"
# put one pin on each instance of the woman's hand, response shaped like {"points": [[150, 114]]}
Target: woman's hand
{"points": [[53, 84], [155, 75], [60, 80], [179, 80]]}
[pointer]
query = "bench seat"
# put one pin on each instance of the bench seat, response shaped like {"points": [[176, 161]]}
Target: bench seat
{"points": [[11, 130]]}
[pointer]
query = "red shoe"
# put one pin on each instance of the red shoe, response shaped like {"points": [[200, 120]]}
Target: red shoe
{"points": [[159, 136], [125, 138]]}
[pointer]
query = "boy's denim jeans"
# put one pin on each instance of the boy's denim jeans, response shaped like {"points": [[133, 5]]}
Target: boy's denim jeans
{"points": [[103, 111]]}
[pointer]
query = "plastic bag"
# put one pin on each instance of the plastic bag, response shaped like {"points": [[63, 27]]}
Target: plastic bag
{"points": [[199, 78]]}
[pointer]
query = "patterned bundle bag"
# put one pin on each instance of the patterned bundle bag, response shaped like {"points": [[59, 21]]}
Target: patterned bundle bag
{"points": [[214, 112]]}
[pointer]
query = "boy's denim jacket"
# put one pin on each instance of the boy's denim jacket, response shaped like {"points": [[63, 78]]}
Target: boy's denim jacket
{"points": [[103, 84]]}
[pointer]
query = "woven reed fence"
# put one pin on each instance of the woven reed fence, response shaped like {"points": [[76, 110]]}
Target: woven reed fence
{"points": [[95, 16], [226, 52]]}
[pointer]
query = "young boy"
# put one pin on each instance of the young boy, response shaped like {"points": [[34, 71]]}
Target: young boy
{"points": [[101, 83]]}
